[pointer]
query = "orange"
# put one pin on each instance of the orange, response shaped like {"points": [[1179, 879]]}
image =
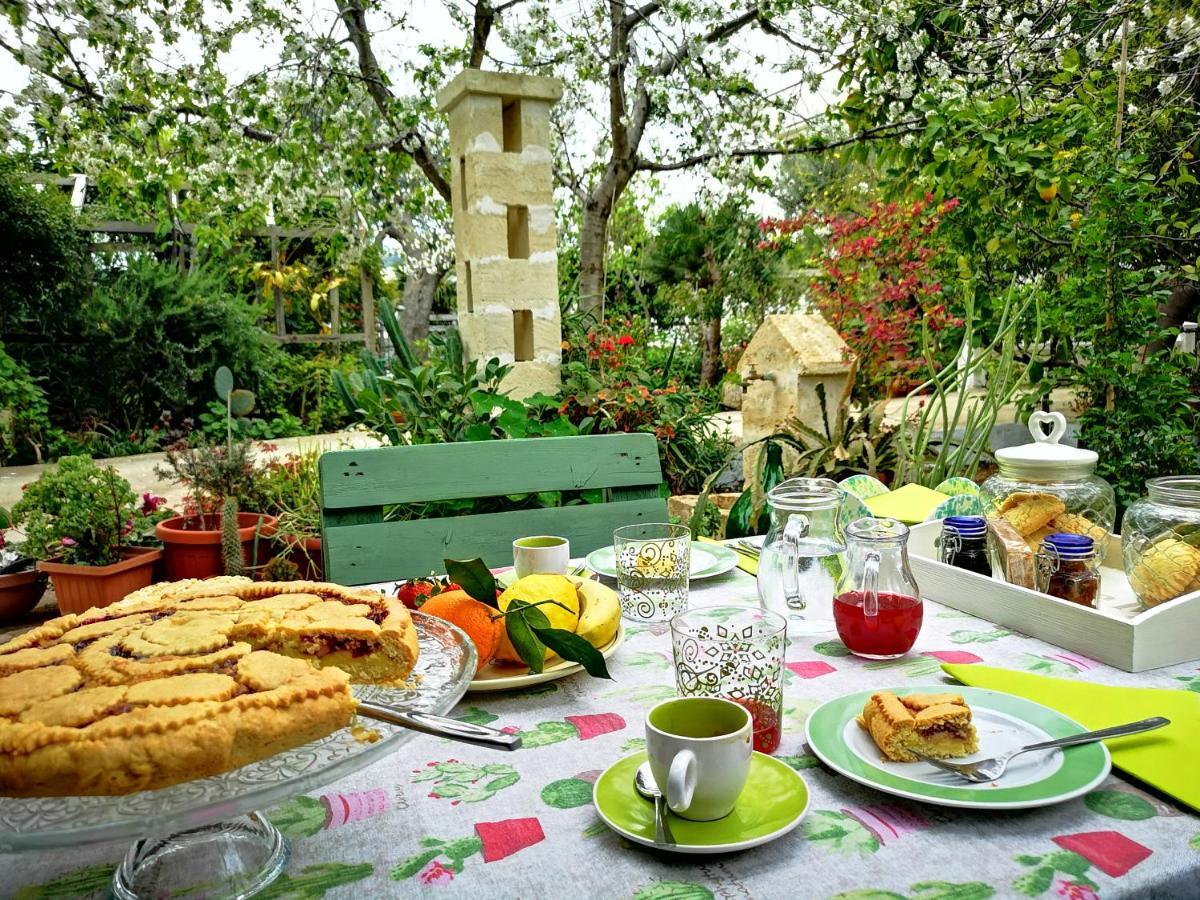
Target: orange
{"points": [[473, 617]]}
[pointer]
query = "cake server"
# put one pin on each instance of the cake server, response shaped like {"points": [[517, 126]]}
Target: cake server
{"points": [[992, 769], [441, 726]]}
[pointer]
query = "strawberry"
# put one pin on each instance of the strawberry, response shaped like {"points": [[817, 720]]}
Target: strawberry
{"points": [[412, 593]]}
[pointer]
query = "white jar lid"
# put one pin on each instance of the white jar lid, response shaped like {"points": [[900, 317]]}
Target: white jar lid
{"points": [[1047, 459]]}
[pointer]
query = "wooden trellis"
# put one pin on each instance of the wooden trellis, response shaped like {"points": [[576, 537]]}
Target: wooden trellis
{"points": [[122, 236]]}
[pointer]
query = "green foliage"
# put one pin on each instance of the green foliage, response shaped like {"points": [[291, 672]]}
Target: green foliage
{"points": [[213, 472], [850, 442], [1153, 428], [443, 399], [154, 336], [26, 434], [44, 268], [290, 489], [78, 512]]}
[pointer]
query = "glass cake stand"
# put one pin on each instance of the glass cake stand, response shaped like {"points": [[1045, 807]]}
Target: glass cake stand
{"points": [[205, 837]]}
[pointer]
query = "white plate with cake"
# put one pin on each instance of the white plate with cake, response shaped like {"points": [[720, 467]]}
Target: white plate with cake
{"points": [[868, 736]]}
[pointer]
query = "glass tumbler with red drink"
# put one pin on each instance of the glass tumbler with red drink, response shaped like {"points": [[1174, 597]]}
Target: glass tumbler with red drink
{"points": [[734, 652], [878, 607]]}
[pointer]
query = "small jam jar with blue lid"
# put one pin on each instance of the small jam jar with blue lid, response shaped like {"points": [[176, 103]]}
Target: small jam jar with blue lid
{"points": [[1068, 567], [964, 544]]}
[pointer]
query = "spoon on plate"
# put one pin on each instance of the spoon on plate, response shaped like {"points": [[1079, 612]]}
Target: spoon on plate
{"points": [[648, 788], [991, 769]]}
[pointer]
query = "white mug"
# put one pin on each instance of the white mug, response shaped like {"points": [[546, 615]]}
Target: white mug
{"points": [[542, 554], [699, 750]]}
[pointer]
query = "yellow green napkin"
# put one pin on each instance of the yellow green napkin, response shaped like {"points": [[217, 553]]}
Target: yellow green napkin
{"points": [[1164, 758], [746, 562], [910, 504]]}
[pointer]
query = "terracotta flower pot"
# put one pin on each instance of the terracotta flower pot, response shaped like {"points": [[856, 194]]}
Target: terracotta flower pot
{"points": [[79, 588], [306, 554], [19, 593], [192, 545]]}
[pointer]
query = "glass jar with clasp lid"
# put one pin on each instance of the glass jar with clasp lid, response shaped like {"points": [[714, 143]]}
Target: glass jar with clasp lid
{"points": [[802, 554], [1160, 540], [964, 544], [1046, 488], [1068, 567]]}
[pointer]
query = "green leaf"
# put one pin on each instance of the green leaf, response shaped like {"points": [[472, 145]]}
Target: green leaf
{"points": [[223, 383], [241, 402], [948, 890], [1119, 805], [868, 894], [1035, 883], [1068, 861], [674, 890], [520, 634], [474, 577], [571, 646], [414, 864], [1070, 60]]}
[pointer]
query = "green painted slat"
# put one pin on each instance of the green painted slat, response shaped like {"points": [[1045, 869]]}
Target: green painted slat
{"points": [[386, 475], [360, 554]]}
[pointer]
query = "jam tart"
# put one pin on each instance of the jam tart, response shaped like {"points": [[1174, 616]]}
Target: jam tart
{"points": [[187, 680], [937, 725]]}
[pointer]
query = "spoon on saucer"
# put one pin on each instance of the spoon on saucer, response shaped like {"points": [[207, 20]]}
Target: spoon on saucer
{"points": [[648, 788]]}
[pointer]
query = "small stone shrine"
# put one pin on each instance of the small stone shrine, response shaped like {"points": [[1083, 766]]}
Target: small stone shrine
{"points": [[504, 230]]}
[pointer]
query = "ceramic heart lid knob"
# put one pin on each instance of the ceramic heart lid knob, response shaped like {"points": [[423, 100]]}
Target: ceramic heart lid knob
{"points": [[1046, 458]]}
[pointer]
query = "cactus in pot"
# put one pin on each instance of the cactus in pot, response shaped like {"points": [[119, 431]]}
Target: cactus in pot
{"points": [[221, 478]]}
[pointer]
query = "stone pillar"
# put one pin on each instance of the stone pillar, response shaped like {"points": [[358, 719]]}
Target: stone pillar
{"points": [[504, 234]]}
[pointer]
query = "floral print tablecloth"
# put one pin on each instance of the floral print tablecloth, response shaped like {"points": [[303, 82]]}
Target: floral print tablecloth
{"points": [[451, 820]]}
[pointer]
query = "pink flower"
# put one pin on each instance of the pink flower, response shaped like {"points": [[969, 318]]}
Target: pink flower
{"points": [[435, 873], [68, 542], [1073, 891], [150, 503]]}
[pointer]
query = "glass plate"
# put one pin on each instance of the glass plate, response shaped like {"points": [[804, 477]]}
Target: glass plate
{"points": [[444, 668]]}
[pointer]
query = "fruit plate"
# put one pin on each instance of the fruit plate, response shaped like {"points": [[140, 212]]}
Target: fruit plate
{"points": [[510, 678], [1004, 722], [707, 561], [447, 657]]}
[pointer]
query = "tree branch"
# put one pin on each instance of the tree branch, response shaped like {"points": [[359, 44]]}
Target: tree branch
{"points": [[879, 132], [355, 18], [412, 143]]}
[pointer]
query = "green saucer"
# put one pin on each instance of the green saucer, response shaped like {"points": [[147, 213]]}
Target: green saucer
{"points": [[773, 802]]}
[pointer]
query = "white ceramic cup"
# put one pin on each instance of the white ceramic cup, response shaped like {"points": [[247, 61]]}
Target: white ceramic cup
{"points": [[541, 554], [699, 750]]}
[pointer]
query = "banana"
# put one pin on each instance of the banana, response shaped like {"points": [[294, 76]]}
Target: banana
{"points": [[600, 612]]}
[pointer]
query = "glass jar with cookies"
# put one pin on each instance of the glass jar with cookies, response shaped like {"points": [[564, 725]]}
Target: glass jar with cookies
{"points": [[1160, 540], [1044, 488]]}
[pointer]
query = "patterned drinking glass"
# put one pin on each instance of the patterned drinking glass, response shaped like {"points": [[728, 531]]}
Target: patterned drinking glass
{"points": [[653, 562], [735, 652]]}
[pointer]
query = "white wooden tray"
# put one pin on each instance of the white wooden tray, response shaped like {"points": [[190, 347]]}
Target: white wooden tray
{"points": [[1117, 632]]}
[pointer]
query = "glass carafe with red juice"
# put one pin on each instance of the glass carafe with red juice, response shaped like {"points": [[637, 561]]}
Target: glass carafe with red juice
{"points": [[878, 607]]}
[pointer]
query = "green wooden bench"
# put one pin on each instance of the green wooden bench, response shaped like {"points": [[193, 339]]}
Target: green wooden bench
{"points": [[359, 547]]}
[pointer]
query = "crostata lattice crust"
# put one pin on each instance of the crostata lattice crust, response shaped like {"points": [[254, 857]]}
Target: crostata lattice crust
{"points": [[187, 680]]}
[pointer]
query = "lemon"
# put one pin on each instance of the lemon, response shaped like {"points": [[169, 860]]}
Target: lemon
{"points": [[534, 588]]}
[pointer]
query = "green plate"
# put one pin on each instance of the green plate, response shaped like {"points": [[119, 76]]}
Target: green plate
{"points": [[707, 560], [1004, 722], [772, 803]]}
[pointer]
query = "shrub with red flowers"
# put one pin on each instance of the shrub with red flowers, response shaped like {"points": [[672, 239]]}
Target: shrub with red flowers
{"points": [[608, 387], [879, 278]]}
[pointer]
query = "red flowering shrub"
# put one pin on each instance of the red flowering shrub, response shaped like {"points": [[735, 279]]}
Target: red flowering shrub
{"points": [[608, 386], [879, 278]]}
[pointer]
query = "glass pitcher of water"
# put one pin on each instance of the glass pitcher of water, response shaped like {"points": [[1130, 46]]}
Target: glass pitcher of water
{"points": [[803, 554]]}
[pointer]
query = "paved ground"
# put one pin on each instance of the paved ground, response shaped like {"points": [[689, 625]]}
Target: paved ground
{"points": [[139, 470]]}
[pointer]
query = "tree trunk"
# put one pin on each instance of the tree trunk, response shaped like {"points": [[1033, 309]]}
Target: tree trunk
{"points": [[420, 287], [593, 246], [713, 309], [710, 357]]}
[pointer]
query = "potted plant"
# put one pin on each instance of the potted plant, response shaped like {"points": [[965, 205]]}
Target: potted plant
{"points": [[21, 584], [290, 489], [215, 537], [83, 524]]}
